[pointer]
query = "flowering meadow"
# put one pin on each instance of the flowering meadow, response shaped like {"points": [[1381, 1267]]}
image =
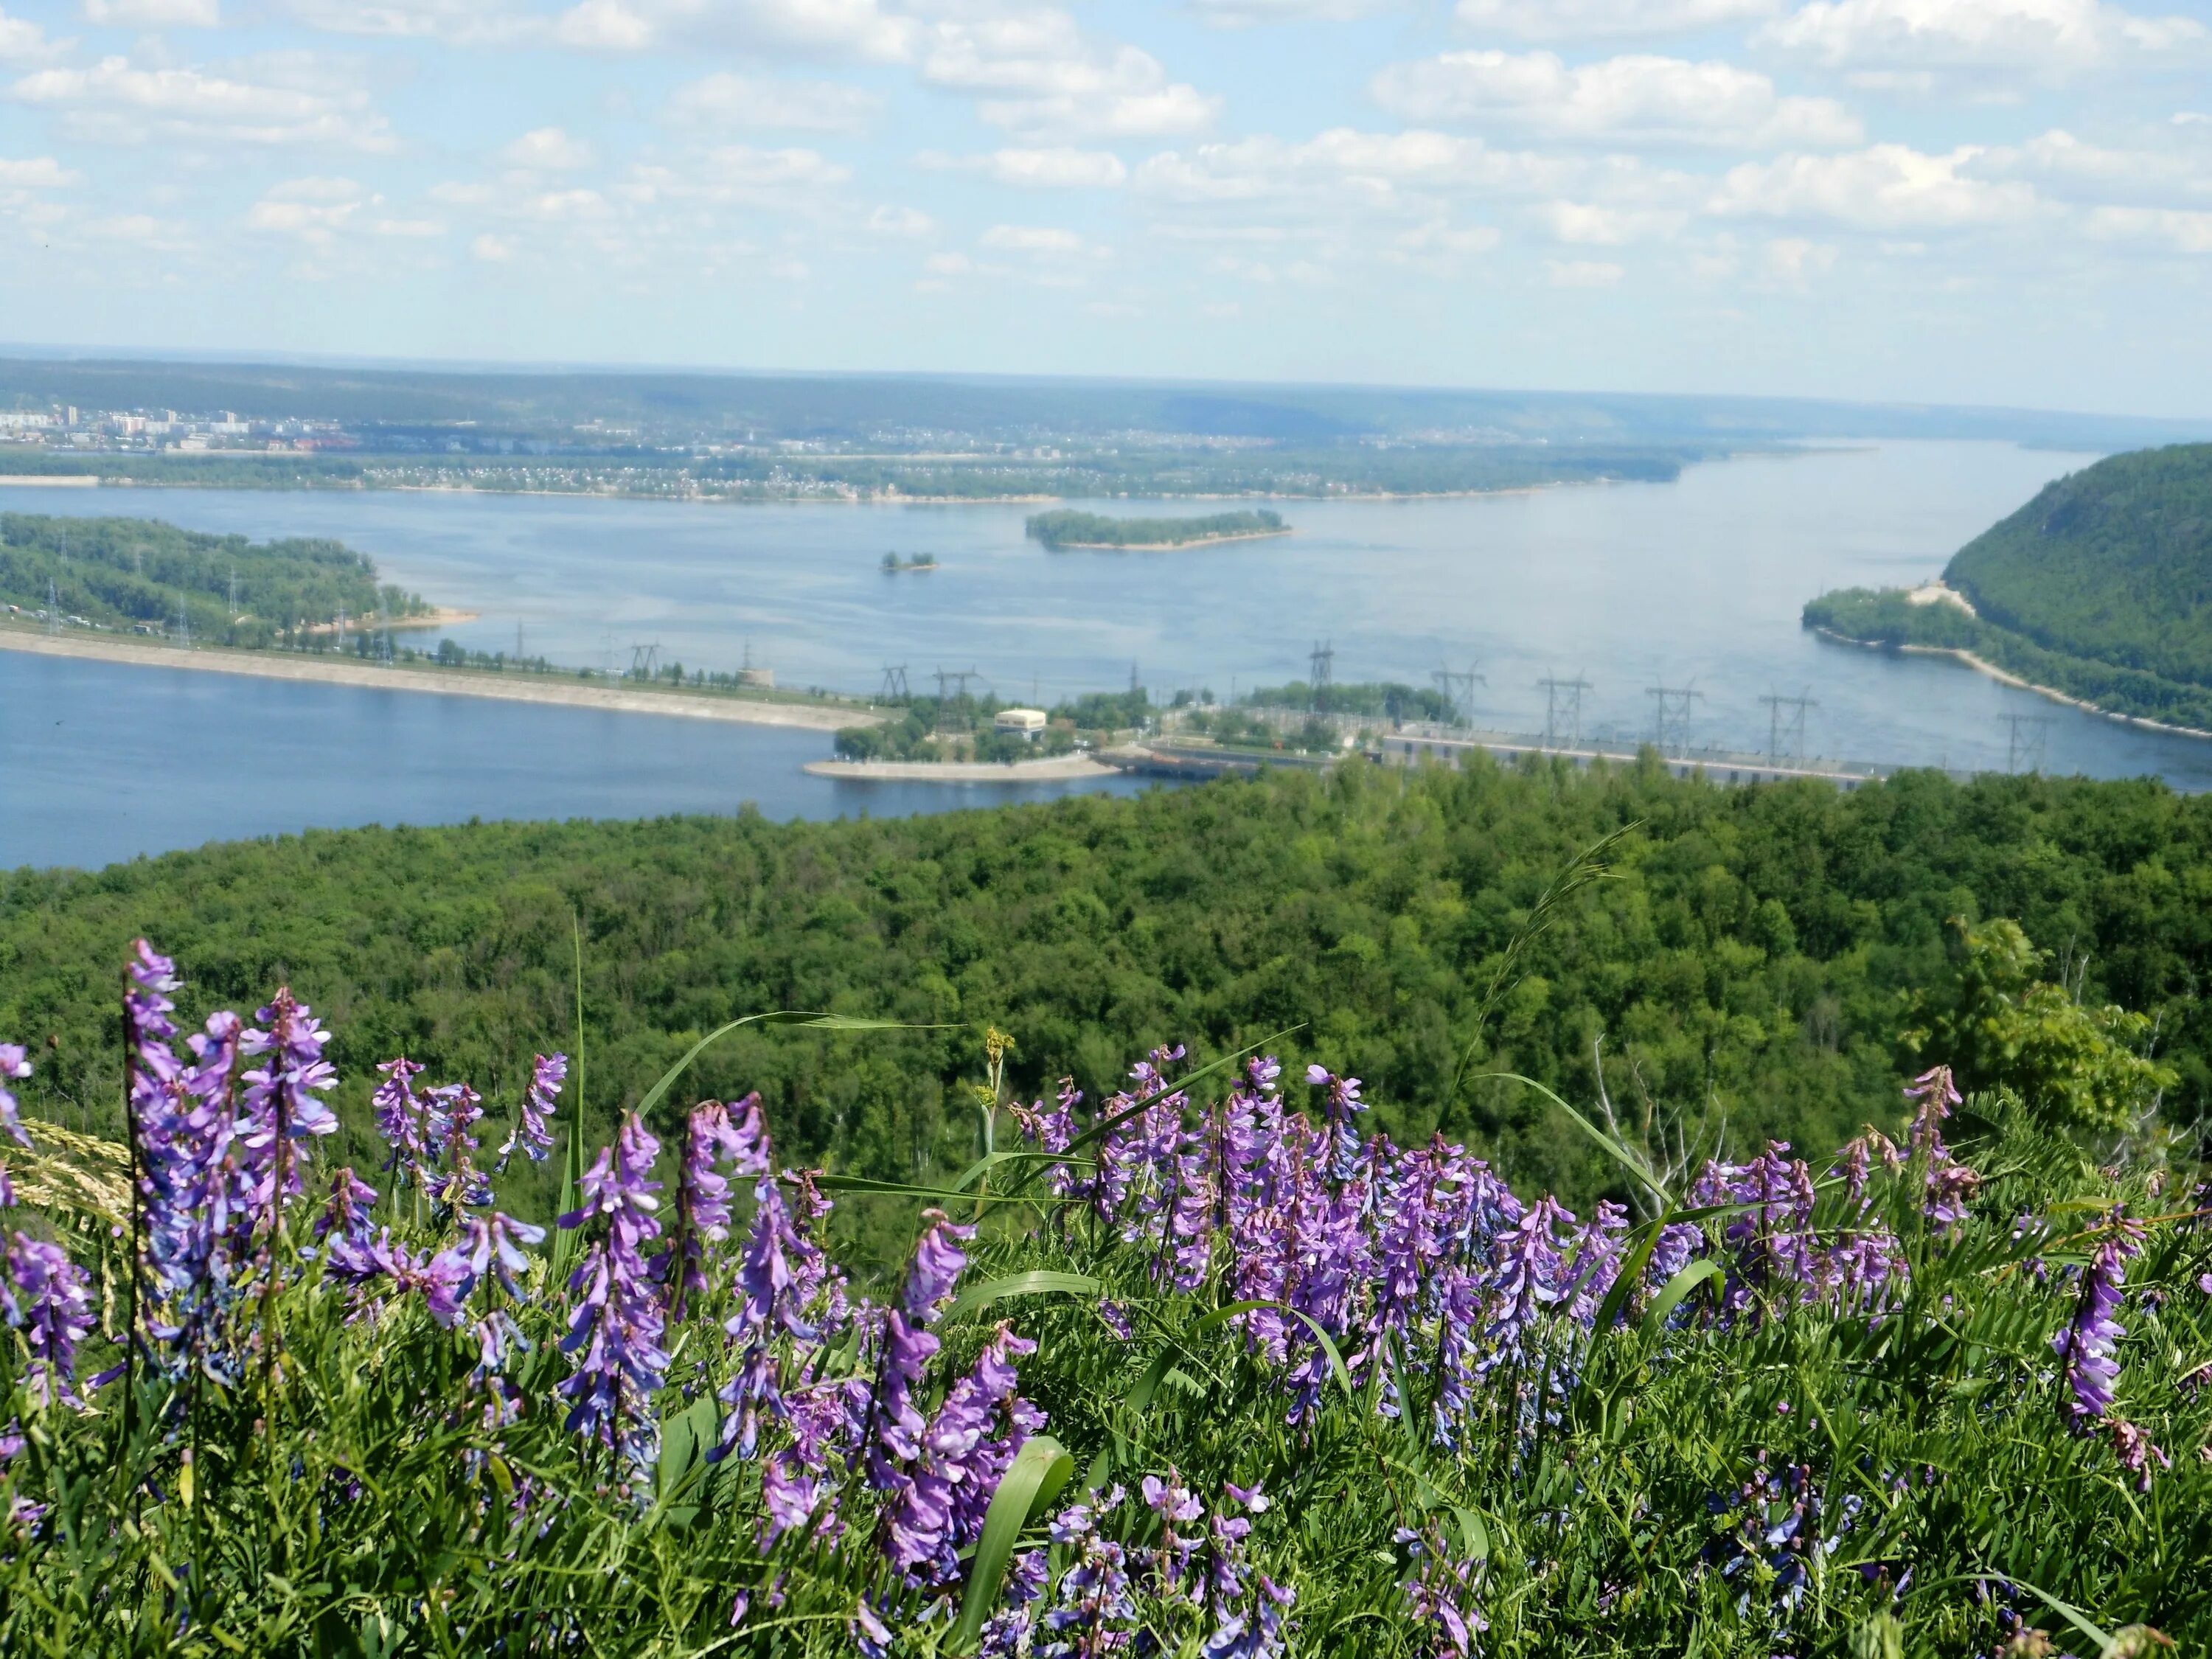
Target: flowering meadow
{"points": [[1203, 1368]]}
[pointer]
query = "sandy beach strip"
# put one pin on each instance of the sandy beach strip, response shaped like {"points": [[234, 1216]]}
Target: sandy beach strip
{"points": [[1053, 769], [443, 681]]}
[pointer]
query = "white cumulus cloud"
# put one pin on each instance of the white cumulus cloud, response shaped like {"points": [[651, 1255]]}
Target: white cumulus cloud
{"points": [[117, 102], [1037, 72], [1883, 188], [1631, 99], [727, 99], [1603, 19], [154, 14], [22, 41], [548, 150], [2051, 37]]}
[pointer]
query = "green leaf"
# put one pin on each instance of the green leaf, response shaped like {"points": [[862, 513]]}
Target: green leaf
{"points": [[1140, 1396], [1040, 1470], [1631, 1272], [1631, 1162], [2072, 1615], [820, 1021], [1040, 1283], [1654, 1316]]}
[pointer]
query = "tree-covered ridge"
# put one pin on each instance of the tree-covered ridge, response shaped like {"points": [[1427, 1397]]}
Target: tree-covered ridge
{"points": [[1748, 964], [1068, 528], [2112, 564], [121, 572]]}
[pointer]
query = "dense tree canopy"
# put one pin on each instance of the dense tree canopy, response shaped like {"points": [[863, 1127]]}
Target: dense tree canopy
{"points": [[1749, 962]]}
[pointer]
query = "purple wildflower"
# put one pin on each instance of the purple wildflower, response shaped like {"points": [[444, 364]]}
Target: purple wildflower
{"points": [[715, 1134], [895, 1423], [400, 1113], [530, 1131], [347, 1211], [2086, 1343], [2138, 1452], [616, 1330], [1526, 1288], [280, 1111], [781, 1274], [939, 1509], [1341, 1105], [14, 1068], [46, 1297], [1440, 1591]]}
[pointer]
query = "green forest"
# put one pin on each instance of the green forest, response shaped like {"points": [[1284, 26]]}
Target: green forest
{"points": [[1749, 966], [1067, 528], [2100, 587], [124, 573]]}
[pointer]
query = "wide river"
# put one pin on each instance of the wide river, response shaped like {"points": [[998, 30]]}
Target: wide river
{"points": [[1696, 583]]}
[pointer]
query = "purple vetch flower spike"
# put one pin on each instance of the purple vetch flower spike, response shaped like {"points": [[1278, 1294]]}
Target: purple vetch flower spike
{"points": [[1341, 1105], [400, 1113], [449, 1112], [1934, 1088], [1596, 1263], [715, 1135], [782, 1272], [1441, 1592], [1177, 1507], [279, 1112], [616, 1330], [894, 1422], [1526, 1287], [1008, 1633], [2088, 1342], [14, 1068], [2138, 1452], [532, 1130], [939, 1509], [347, 1211], [47, 1299]]}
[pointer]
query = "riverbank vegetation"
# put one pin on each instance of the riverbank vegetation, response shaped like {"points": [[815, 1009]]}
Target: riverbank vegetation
{"points": [[1067, 528], [2097, 588], [140, 574]]}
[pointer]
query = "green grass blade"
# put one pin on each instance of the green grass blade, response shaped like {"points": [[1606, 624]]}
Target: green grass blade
{"points": [[816, 1021], [1654, 1316], [1040, 1470], [1632, 1272], [1628, 1160], [1040, 1283]]}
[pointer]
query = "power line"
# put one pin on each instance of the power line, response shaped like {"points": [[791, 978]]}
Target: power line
{"points": [[1321, 673], [1458, 690], [645, 661], [945, 723], [1671, 711], [2030, 745], [894, 688], [1562, 706], [1795, 725]]}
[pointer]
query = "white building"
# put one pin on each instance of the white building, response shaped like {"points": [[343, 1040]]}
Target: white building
{"points": [[1029, 723]]}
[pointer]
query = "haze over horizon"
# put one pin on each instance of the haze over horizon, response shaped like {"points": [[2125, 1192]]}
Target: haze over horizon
{"points": [[1958, 201]]}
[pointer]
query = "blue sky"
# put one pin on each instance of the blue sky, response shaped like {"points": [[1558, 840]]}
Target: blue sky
{"points": [[1990, 201]]}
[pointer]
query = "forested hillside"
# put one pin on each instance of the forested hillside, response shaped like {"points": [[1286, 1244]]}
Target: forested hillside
{"points": [[2112, 563], [1749, 961], [118, 573], [2100, 587]]}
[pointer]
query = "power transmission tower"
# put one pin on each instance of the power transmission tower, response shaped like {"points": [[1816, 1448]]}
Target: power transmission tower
{"points": [[2029, 745], [1795, 724], [1321, 674], [645, 660], [234, 593], [961, 677], [894, 688], [53, 608], [183, 624], [1671, 712], [517, 642], [341, 622], [1133, 685], [1562, 706], [1458, 690]]}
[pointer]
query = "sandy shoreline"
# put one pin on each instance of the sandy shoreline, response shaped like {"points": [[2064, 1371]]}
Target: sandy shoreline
{"points": [[2005, 677], [538, 688], [1056, 767]]}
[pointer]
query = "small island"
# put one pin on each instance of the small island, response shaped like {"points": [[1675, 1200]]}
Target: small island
{"points": [[893, 564], [1067, 528]]}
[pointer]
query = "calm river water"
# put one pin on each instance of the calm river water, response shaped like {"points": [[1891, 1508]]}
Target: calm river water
{"points": [[1694, 583]]}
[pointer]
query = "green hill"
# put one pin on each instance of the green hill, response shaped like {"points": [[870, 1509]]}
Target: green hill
{"points": [[2100, 587], [2112, 563]]}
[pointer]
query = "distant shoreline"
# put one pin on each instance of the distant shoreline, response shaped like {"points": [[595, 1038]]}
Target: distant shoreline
{"points": [[1054, 767], [1982, 665], [541, 689], [1164, 547]]}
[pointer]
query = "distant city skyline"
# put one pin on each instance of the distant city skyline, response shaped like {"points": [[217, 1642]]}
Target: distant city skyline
{"points": [[1972, 201]]}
